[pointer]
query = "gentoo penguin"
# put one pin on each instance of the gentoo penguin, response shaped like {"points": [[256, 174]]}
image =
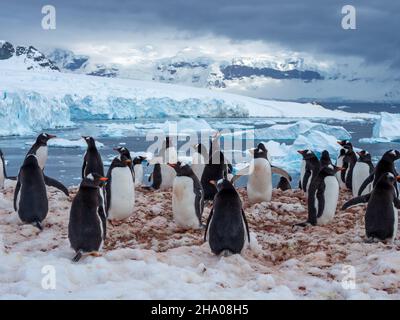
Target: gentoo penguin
{"points": [[323, 197], [284, 184], [30, 196], [92, 162], [138, 169], [187, 197], [385, 164], [199, 159], [123, 151], [226, 229], [40, 148], [163, 175], [339, 163], [349, 161], [87, 219], [120, 189], [310, 168], [325, 159], [3, 175], [362, 170], [381, 216], [213, 171]]}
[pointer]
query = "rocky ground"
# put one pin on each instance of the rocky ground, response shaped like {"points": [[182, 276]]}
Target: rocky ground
{"points": [[280, 262]]}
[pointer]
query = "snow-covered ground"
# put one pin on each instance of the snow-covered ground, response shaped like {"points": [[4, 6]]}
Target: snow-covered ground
{"points": [[149, 257], [33, 101]]}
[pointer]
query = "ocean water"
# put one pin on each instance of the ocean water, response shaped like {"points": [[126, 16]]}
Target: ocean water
{"points": [[65, 164]]}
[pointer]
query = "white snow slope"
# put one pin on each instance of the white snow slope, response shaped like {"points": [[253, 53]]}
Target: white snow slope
{"points": [[32, 101]]}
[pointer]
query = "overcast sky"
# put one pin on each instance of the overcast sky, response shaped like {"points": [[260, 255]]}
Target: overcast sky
{"points": [[304, 26]]}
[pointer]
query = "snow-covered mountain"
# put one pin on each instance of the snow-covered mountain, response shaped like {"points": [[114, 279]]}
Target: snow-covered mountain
{"points": [[24, 58], [282, 75]]}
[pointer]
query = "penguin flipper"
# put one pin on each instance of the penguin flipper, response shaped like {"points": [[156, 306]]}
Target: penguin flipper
{"points": [[312, 210], [307, 175], [366, 183], [56, 184], [17, 188], [242, 172], [246, 224], [396, 202], [356, 200], [281, 172], [208, 224]]}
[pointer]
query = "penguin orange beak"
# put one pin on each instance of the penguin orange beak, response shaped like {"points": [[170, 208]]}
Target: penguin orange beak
{"points": [[172, 165], [340, 142], [300, 151], [398, 178], [340, 169], [212, 182], [103, 179], [51, 136]]}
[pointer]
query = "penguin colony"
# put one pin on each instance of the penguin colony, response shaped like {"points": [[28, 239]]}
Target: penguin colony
{"points": [[102, 199]]}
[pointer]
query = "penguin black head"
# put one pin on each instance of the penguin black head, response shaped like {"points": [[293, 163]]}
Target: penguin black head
{"points": [[307, 154], [138, 160], [391, 155], [182, 169], [345, 144], [364, 156], [123, 151], [200, 148], [44, 137], [30, 160], [325, 158], [260, 151], [93, 180], [122, 161], [223, 184], [90, 141], [387, 180]]}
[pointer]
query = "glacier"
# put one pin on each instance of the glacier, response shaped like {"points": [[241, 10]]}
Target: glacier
{"points": [[292, 131], [31, 101]]}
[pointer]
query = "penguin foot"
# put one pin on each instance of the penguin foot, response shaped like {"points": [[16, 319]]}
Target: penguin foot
{"points": [[226, 253], [302, 224], [77, 257], [371, 240], [38, 225], [95, 254]]}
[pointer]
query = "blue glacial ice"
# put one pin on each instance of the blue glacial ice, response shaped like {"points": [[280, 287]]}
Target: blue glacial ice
{"points": [[294, 130], [386, 129]]}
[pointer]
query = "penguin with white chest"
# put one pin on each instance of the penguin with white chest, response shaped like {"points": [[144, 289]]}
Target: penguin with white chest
{"points": [[323, 197], [3, 174], [384, 165], [362, 170], [260, 170], [187, 197], [381, 216], [339, 163], [40, 148], [163, 175], [227, 230], [199, 159], [120, 189], [92, 162], [310, 168], [87, 220], [138, 170]]}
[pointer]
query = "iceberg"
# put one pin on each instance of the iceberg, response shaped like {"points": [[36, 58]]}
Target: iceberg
{"points": [[293, 130], [386, 128]]}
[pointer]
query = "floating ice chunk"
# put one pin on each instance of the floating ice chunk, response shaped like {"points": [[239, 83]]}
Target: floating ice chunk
{"points": [[65, 143], [316, 141], [387, 127], [293, 130]]}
